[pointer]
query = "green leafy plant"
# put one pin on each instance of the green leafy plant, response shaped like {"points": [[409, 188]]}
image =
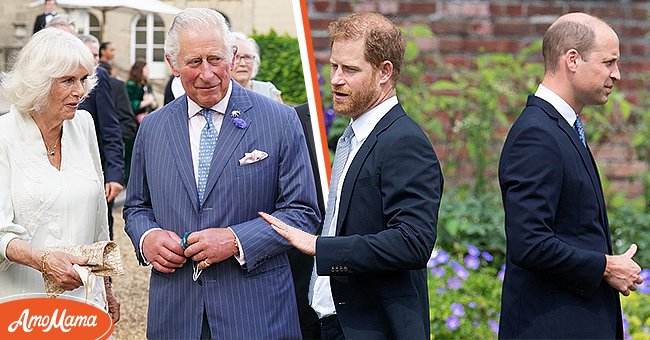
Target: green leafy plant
{"points": [[281, 65]]}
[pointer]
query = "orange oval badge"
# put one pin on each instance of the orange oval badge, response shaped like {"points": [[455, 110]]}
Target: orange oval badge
{"points": [[60, 318]]}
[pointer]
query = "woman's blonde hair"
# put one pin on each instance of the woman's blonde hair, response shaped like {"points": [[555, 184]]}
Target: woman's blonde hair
{"points": [[49, 54]]}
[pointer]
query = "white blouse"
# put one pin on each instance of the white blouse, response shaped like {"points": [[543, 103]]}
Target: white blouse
{"points": [[42, 205]]}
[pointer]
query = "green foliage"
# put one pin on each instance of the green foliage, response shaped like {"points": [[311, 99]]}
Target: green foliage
{"points": [[467, 216], [628, 222], [636, 308], [281, 65], [476, 104], [477, 291]]}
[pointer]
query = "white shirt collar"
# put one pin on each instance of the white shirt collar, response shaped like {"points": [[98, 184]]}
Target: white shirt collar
{"points": [[193, 108], [558, 103], [363, 125]]}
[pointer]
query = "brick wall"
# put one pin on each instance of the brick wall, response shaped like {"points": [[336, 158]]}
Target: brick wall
{"points": [[463, 28]]}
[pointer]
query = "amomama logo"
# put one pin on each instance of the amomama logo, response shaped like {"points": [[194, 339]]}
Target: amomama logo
{"points": [[47, 318]]}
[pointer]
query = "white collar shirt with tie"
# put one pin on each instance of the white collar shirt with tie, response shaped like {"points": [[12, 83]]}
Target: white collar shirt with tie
{"points": [[197, 122], [558, 103], [320, 291]]}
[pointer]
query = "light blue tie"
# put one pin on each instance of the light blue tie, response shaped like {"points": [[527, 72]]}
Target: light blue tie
{"points": [[340, 158], [580, 130], [206, 148]]}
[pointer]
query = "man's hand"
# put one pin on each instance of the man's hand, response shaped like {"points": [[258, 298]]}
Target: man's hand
{"points": [[163, 249], [112, 190], [58, 266], [305, 242], [621, 272], [210, 246]]}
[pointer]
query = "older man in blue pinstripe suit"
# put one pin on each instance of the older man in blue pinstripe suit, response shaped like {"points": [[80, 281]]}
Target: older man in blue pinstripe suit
{"points": [[206, 163]]}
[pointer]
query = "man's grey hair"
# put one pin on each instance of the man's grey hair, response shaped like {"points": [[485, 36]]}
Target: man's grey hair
{"points": [[61, 21], [49, 54], [252, 45], [87, 38], [200, 20]]}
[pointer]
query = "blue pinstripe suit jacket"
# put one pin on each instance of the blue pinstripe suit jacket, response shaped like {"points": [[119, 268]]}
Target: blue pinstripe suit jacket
{"points": [[254, 302]]}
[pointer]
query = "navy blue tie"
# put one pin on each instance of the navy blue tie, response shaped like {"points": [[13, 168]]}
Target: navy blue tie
{"points": [[580, 130]]}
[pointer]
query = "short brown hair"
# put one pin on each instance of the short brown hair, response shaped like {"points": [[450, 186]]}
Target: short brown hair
{"points": [[563, 36], [383, 39]]}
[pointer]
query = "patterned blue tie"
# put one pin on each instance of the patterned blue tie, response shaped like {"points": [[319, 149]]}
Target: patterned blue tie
{"points": [[580, 130], [340, 158], [206, 148]]}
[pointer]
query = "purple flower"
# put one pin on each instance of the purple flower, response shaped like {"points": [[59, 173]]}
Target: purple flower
{"points": [[472, 304], [494, 326], [459, 269], [457, 309], [645, 286], [240, 123], [442, 257], [438, 271], [487, 256], [441, 290], [502, 272], [475, 324], [472, 262], [454, 283], [328, 116], [452, 323], [431, 263], [472, 250]]}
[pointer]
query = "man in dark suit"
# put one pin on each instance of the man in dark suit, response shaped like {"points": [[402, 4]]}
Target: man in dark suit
{"points": [[42, 19], [382, 210], [203, 166], [561, 280], [302, 264], [107, 126]]}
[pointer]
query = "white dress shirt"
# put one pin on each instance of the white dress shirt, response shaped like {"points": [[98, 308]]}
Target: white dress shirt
{"points": [[320, 292], [196, 122], [558, 103]]}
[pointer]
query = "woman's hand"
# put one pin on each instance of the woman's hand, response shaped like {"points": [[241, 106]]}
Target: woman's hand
{"points": [[58, 266]]}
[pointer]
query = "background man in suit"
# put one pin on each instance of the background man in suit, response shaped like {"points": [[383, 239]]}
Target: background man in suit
{"points": [[302, 264], [49, 11], [382, 209], [561, 280], [107, 126], [206, 163]]}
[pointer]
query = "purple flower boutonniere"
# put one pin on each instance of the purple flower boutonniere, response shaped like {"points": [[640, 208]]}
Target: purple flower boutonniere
{"points": [[238, 122]]}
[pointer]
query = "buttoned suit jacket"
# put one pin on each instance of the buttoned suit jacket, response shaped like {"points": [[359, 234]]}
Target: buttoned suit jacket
{"points": [[557, 233], [385, 232], [39, 23], [253, 302]]}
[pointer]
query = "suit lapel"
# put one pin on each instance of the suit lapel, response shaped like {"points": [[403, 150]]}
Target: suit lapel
{"points": [[229, 135], [584, 152], [179, 137], [360, 158]]}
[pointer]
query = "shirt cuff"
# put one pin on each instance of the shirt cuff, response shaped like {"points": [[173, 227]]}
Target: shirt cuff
{"points": [[144, 259], [4, 242], [240, 258]]}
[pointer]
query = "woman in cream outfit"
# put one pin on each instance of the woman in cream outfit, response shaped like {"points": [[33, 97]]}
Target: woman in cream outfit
{"points": [[51, 182]]}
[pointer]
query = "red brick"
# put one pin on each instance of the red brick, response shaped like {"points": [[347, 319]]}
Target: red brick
{"points": [[634, 66], [497, 10], [320, 43], [613, 12], [514, 10], [628, 31], [512, 28], [321, 6], [630, 188], [612, 152], [639, 13], [410, 8], [455, 60], [388, 7], [343, 7], [540, 29], [449, 27], [365, 6], [466, 9], [482, 27], [577, 8], [625, 170], [544, 10], [450, 45], [637, 49], [319, 24]]}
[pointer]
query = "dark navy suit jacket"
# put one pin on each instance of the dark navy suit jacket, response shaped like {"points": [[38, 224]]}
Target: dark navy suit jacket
{"points": [[109, 135], [385, 232], [557, 233], [253, 302]]}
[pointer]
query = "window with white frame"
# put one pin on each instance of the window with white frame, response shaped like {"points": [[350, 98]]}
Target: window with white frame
{"points": [[148, 44]]}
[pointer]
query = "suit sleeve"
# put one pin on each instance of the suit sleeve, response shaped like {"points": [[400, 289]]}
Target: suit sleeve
{"points": [[138, 210], [109, 130], [411, 186], [531, 191], [295, 203]]}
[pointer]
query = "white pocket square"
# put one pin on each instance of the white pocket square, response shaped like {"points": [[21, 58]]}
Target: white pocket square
{"points": [[252, 157]]}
